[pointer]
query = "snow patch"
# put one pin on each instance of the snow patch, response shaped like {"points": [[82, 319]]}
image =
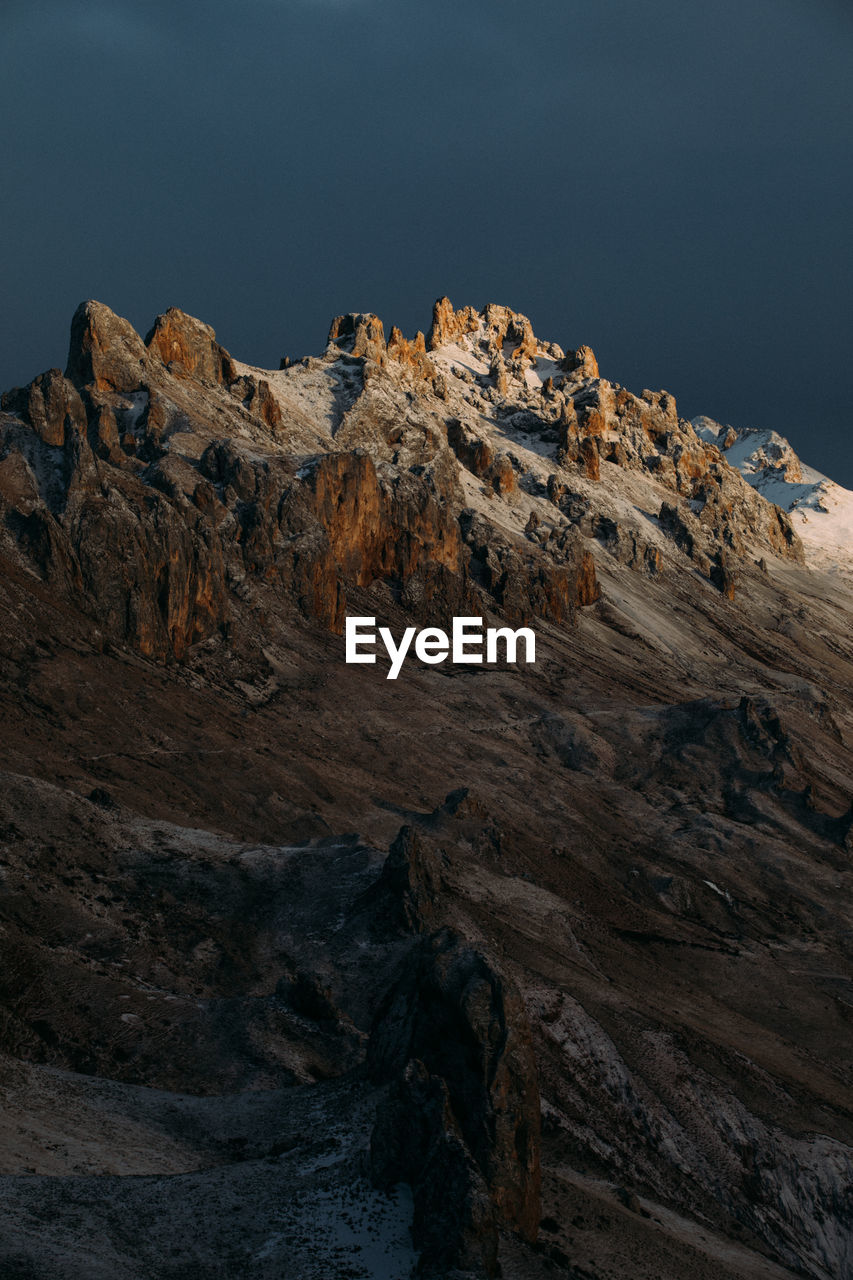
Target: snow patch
{"points": [[724, 893], [820, 510]]}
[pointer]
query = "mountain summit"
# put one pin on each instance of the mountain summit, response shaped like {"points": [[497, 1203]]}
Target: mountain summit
{"points": [[527, 970], [469, 469]]}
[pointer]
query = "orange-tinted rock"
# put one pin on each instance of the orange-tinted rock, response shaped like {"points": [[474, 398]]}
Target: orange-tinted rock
{"points": [[504, 325], [266, 405], [587, 589], [691, 462], [350, 528], [386, 508], [449, 325], [664, 403], [412, 353], [105, 435], [186, 344], [591, 421], [156, 415], [581, 363], [359, 334], [258, 398], [588, 459]]}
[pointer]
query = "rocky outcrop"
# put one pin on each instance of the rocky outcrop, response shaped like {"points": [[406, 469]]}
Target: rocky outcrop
{"points": [[498, 374], [588, 459], [726, 519], [185, 344], [765, 455], [624, 541], [462, 1112], [505, 326], [412, 881], [385, 507], [602, 423], [581, 363], [359, 334], [411, 354], [416, 1139], [475, 453], [449, 325], [51, 405], [530, 582], [638, 916], [105, 351], [628, 546], [256, 395], [348, 523]]}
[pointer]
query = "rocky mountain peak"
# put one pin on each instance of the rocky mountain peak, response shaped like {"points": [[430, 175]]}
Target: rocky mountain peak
{"points": [[448, 325], [359, 335], [104, 351], [186, 344], [561, 946], [481, 468]]}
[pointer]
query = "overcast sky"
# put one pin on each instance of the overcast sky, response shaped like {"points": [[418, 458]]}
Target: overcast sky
{"points": [[668, 182]]}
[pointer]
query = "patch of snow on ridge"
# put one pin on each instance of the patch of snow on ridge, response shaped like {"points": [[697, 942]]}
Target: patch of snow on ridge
{"points": [[820, 509], [454, 356], [544, 368]]}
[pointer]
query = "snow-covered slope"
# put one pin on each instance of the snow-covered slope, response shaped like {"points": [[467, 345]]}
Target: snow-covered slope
{"points": [[821, 510]]}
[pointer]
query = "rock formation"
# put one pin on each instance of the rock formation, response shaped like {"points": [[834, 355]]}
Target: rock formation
{"points": [[548, 963], [184, 343], [463, 1110], [360, 335]]}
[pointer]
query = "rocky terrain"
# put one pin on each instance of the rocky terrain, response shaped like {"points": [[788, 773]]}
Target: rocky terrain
{"points": [[490, 970]]}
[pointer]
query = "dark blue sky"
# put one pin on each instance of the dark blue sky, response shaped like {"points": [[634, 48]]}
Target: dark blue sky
{"points": [[671, 183]]}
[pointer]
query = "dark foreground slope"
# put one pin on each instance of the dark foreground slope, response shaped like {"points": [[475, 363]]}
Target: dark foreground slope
{"points": [[308, 973]]}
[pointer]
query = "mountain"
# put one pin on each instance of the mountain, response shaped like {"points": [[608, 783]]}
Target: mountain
{"points": [[521, 969], [821, 510]]}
